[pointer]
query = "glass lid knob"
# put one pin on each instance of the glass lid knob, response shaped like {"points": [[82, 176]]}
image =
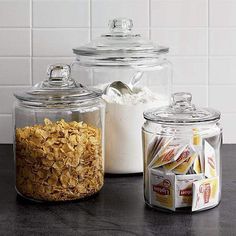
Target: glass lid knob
{"points": [[58, 75], [182, 101], [121, 25]]}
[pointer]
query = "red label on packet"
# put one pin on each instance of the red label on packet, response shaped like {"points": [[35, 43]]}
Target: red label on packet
{"points": [[183, 189], [185, 192], [167, 155], [187, 163], [182, 157], [210, 160], [205, 193], [162, 189]]}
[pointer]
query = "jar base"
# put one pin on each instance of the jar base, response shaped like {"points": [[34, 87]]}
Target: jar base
{"points": [[184, 210], [124, 174], [23, 197]]}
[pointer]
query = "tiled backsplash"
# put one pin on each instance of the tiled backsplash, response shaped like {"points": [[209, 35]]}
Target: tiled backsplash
{"points": [[200, 33]]}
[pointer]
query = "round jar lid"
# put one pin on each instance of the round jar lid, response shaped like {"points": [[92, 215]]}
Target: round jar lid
{"points": [[180, 111], [59, 87], [120, 45]]}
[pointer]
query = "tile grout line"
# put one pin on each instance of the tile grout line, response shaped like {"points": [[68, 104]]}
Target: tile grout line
{"points": [[31, 41], [208, 50], [90, 20], [149, 19], [90, 32], [102, 27]]}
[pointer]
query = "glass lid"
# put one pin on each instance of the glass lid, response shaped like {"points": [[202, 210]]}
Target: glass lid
{"points": [[120, 45], [58, 87], [182, 111]]}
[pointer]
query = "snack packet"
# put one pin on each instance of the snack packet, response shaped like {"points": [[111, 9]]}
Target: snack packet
{"points": [[183, 189], [186, 164], [150, 149], [197, 165], [162, 189], [182, 157], [199, 162], [205, 193], [168, 154], [210, 160], [154, 147]]}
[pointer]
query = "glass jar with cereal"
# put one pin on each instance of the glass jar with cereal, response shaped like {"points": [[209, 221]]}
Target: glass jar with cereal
{"points": [[59, 133]]}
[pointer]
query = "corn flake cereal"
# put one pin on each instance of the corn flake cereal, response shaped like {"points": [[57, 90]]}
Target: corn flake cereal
{"points": [[59, 161]]}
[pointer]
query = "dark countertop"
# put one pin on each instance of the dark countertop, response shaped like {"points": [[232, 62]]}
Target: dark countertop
{"points": [[118, 209]]}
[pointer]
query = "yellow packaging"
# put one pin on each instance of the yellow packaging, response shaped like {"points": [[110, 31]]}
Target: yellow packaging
{"points": [[167, 155], [183, 189], [196, 138], [182, 157], [205, 193], [151, 148], [162, 189], [184, 167], [210, 160], [155, 146], [197, 165]]}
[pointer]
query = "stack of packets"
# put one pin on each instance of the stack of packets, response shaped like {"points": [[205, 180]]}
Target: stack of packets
{"points": [[183, 175]]}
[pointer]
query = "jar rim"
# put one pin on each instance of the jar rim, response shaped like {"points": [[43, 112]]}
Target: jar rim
{"points": [[182, 111], [120, 46], [59, 87]]}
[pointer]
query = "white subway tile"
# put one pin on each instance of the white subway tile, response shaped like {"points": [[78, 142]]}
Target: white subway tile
{"points": [[222, 98], [222, 13], [222, 70], [229, 129], [14, 42], [182, 41], [58, 42], [15, 71], [40, 66], [60, 25], [103, 11], [97, 32], [199, 93], [61, 13], [6, 129], [14, 13], [7, 97], [222, 41], [189, 70], [181, 13]]}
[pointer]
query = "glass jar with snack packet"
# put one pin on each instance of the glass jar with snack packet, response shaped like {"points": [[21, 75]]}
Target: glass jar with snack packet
{"points": [[182, 163], [59, 133], [121, 58]]}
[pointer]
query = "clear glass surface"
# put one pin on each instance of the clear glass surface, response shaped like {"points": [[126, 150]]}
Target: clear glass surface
{"points": [[122, 55], [59, 141], [181, 111], [120, 46], [202, 166]]}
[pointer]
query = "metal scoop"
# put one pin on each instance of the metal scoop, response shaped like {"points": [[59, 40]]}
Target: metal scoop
{"points": [[119, 88]]}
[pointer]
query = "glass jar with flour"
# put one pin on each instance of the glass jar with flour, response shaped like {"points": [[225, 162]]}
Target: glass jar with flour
{"points": [[135, 76]]}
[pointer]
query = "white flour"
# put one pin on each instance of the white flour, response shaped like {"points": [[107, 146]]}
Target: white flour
{"points": [[139, 96], [124, 119]]}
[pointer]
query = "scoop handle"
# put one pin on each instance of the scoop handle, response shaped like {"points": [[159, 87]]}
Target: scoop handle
{"points": [[135, 79]]}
